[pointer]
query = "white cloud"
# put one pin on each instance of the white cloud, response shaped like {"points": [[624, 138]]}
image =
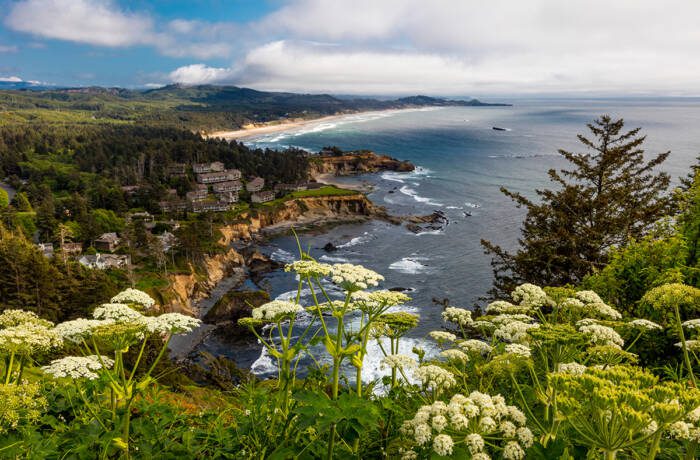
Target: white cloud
{"points": [[13, 79], [8, 49], [104, 23], [199, 74]]}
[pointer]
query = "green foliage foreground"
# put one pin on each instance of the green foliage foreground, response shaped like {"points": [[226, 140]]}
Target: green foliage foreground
{"points": [[549, 373]]}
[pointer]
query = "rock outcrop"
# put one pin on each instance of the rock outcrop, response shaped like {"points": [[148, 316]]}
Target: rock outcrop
{"points": [[351, 163], [235, 305]]}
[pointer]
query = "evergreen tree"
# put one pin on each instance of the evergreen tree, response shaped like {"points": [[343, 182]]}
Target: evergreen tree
{"points": [[611, 195]]}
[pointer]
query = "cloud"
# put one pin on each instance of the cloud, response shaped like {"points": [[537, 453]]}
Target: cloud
{"points": [[8, 49], [104, 23], [13, 79], [199, 74]]}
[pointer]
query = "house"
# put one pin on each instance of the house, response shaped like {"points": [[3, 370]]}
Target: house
{"points": [[144, 216], [105, 261], [72, 249], [167, 241], [46, 249], [107, 242], [215, 166], [222, 176], [130, 189], [197, 195], [210, 206], [228, 197], [173, 205], [298, 187], [255, 185], [262, 197], [228, 186]]}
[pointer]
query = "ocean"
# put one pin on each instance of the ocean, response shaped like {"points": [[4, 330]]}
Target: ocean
{"points": [[461, 164]]}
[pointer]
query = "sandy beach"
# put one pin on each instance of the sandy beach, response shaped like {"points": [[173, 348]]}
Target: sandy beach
{"points": [[273, 127]]}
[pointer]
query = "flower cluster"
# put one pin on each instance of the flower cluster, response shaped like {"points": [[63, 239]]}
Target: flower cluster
{"points": [[502, 306], [435, 377], [171, 323], [572, 368], [687, 429], [519, 350], [28, 339], [307, 268], [455, 355], [399, 361], [459, 316], [645, 325], [354, 277], [78, 367], [590, 304], [477, 347], [514, 331], [277, 310], [442, 336], [475, 418], [78, 329], [691, 324], [134, 297], [11, 318], [378, 300], [21, 405], [117, 312], [529, 295], [602, 335]]}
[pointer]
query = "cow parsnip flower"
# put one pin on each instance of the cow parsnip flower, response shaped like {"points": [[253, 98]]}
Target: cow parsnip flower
{"points": [[518, 350], [277, 310], [28, 339], [354, 277], [529, 295], [646, 325], [78, 367], [504, 307], [435, 377], [443, 445], [459, 316], [692, 324], [473, 346], [571, 368], [399, 361], [117, 312], [307, 268], [10, 318], [394, 325], [442, 336], [134, 296], [514, 331], [78, 329], [692, 345], [455, 355], [377, 301], [171, 323], [588, 297], [602, 335]]}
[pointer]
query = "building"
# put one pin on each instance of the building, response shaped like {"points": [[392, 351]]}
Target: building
{"points": [[262, 197], [130, 189], [210, 206], [72, 249], [228, 186], [173, 205], [228, 197], [107, 242], [215, 166], [222, 176], [177, 169], [46, 249], [105, 261], [291, 187], [255, 185], [144, 216], [197, 195]]}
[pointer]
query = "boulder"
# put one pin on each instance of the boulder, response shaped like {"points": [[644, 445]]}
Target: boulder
{"points": [[234, 305]]}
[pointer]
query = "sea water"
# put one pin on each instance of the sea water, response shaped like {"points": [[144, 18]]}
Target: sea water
{"points": [[461, 165]]}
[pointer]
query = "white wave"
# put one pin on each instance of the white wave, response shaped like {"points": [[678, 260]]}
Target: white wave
{"points": [[372, 366], [337, 260], [472, 205], [264, 364], [429, 232], [421, 171], [355, 241], [388, 200], [393, 177], [291, 295], [409, 265], [406, 190], [452, 207], [280, 255]]}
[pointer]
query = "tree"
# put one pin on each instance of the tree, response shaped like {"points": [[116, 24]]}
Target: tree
{"points": [[611, 196]]}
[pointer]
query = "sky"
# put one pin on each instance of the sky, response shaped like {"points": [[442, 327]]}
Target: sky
{"points": [[367, 47]]}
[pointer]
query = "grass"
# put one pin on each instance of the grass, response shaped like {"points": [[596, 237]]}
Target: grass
{"points": [[328, 190]]}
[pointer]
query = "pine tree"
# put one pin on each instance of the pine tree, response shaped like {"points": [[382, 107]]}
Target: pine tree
{"points": [[611, 195]]}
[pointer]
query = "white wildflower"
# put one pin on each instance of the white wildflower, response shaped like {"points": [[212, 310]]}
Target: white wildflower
{"points": [[508, 428], [604, 310], [455, 355], [525, 436], [277, 310], [381, 299], [28, 339], [502, 306], [586, 322], [513, 451], [409, 455], [134, 296], [680, 430], [308, 268], [588, 297], [692, 324], [514, 331], [442, 336], [572, 368], [399, 361], [354, 277], [439, 423], [458, 316], [645, 325], [487, 424], [516, 415], [529, 295], [692, 345], [475, 346], [475, 443], [117, 312], [481, 456], [603, 335], [443, 444], [78, 329], [509, 318], [422, 433], [650, 428], [435, 377], [518, 349], [78, 367], [171, 323], [11, 318]]}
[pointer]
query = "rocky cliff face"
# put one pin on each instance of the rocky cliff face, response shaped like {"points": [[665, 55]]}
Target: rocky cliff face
{"points": [[356, 163]]}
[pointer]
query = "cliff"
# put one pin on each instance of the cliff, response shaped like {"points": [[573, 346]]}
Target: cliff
{"points": [[350, 163]]}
